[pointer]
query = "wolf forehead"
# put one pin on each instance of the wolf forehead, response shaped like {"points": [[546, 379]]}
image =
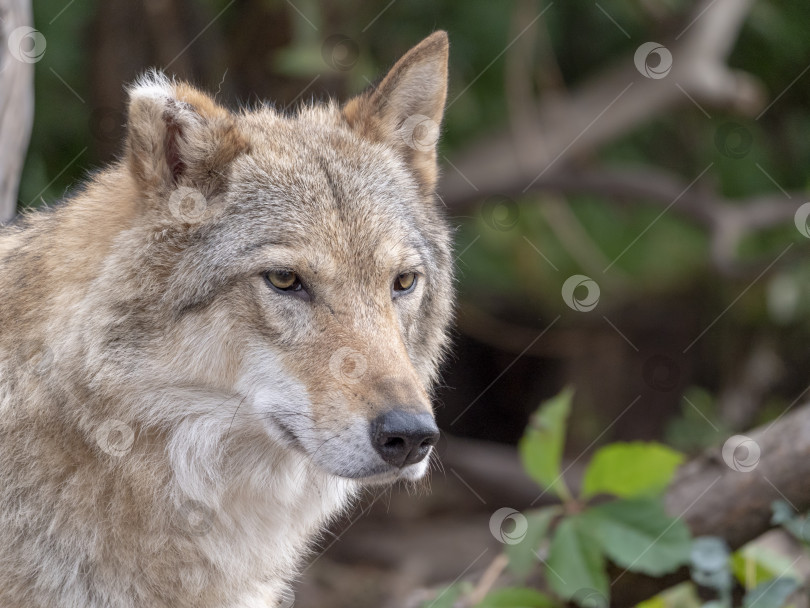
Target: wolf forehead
{"points": [[352, 182], [310, 178]]}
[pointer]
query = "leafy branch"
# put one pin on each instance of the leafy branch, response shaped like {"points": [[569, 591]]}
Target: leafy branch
{"points": [[617, 520]]}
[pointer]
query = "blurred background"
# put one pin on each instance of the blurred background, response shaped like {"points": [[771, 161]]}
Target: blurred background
{"points": [[629, 217]]}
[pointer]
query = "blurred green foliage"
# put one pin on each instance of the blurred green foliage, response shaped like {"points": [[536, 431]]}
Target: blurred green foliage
{"points": [[619, 517]]}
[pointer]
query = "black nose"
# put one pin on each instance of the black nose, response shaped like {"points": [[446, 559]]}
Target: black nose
{"points": [[403, 437]]}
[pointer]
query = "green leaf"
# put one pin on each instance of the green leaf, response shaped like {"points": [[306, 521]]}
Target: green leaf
{"points": [[656, 601], [575, 562], [522, 556], [709, 554], [516, 598], [638, 535], [679, 596], [629, 470], [542, 445], [784, 515], [710, 564], [754, 564], [771, 594], [782, 512]]}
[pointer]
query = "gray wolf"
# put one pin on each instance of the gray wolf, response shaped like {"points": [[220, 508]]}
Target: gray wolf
{"points": [[212, 347]]}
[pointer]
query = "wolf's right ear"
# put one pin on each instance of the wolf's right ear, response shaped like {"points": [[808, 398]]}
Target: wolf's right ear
{"points": [[405, 110], [178, 136]]}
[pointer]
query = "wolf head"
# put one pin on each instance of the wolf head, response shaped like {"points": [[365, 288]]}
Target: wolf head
{"points": [[298, 262]]}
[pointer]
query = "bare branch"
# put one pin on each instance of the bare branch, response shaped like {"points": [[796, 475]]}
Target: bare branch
{"points": [[611, 104], [538, 156], [728, 220], [16, 101]]}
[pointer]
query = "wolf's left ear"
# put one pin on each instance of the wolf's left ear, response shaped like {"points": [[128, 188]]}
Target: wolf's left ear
{"points": [[178, 136], [405, 110]]}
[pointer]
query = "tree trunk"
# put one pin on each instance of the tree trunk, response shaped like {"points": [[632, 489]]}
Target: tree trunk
{"points": [[19, 50]]}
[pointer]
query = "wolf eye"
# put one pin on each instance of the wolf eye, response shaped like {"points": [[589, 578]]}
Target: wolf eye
{"points": [[404, 283], [283, 280]]}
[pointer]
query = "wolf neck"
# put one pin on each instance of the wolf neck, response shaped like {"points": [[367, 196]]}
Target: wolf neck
{"points": [[279, 499], [242, 509], [265, 507], [50, 258], [241, 472]]}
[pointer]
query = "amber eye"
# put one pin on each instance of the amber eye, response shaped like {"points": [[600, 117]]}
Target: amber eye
{"points": [[283, 280], [404, 283]]}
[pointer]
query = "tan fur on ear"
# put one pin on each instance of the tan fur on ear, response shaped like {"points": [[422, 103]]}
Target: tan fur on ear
{"points": [[406, 108], [177, 135]]}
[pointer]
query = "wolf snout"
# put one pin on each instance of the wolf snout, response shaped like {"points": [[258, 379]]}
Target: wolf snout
{"points": [[403, 438]]}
